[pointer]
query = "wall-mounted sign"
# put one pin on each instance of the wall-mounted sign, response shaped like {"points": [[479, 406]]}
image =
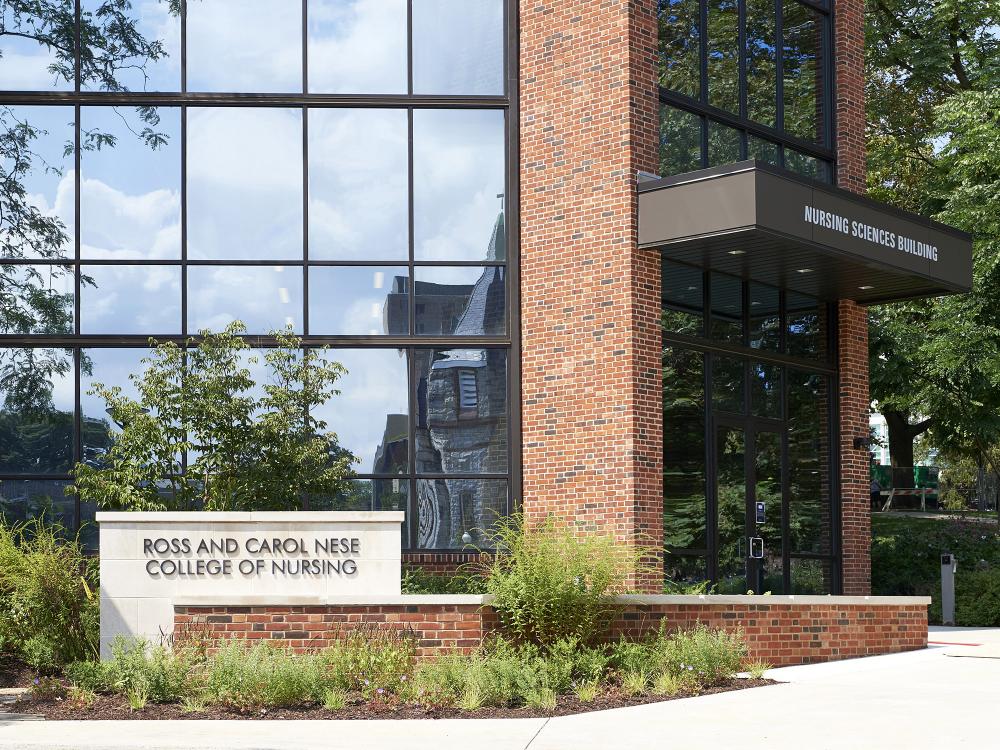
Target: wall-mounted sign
{"points": [[876, 235], [150, 559]]}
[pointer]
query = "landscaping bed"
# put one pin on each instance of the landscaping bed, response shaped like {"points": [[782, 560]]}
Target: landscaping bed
{"points": [[108, 707]]}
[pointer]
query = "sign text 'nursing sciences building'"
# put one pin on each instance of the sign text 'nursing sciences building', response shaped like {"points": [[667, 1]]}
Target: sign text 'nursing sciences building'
{"points": [[252, 556], [873, 234]]}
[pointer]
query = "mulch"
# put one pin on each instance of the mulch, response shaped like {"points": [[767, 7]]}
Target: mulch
{"points": [[14, 672], [115, 708]]}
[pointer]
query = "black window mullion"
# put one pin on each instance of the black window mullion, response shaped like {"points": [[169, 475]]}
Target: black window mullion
{"points": [[779, 48], [305, 216], [741, 36]]}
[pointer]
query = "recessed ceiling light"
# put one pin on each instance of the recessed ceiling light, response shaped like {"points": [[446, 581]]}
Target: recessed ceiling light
{"points": [[804, 270], [692, 288], [737, 252], [754, 303], [866, 287]]}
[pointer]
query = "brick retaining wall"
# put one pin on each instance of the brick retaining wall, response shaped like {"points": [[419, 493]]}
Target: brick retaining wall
{"points": [[780, 630]]}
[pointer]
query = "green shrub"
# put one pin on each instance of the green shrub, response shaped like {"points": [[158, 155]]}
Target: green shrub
{"points": [[49, 608], [263, 675], [977, 598], [369, 659], [89, 675], [701, 655], [418, 581], [154, 673], [629, 656], [551, 583]]}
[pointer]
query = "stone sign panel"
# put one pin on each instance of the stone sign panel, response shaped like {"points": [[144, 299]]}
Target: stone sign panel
{"points": [[149, 559]]}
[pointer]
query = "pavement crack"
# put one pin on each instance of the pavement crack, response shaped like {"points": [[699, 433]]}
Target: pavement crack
{"points": [[535, 736]]}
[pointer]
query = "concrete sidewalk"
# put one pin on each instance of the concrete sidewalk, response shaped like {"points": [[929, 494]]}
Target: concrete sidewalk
{"points": [[923, 699]]}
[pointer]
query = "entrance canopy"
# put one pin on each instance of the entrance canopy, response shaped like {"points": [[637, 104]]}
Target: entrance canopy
{"points": [[762, 223]]}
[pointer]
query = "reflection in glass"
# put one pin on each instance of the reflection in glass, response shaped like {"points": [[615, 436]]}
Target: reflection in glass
{"points": [[244, 183], [367, 495], [806, 326], [357, 46], [461, 419], [245, 46], [809, 502], [130, 299], [680, 141], [728, 384], [801, 60], [761, 62], [807, 166], [112, 367], [811, 576], [44, 138], [767, 489], [130, 192], [683, 449], [453, 513], [765, 390], [679, 58], [727, 308], [264, 298], [26, 499], [765, 317], [359, 300], [458, 185], [761, 150], [36, 411], [723, 55], [458, 47], [358, 190], [156, 23], [370, 414], [724, 144], [731, 491], [38, 299], [683, 572], [460, 300], [27, 63], [683, 299]]}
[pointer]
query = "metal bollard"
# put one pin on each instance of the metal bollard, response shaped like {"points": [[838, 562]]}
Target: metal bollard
{"points": [[949, 565]]}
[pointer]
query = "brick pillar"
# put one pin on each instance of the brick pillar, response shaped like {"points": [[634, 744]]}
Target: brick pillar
{"points": [[590, 336], [849, 47]]}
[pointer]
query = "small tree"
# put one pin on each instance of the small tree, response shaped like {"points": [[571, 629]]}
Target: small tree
{"points": [[198, 438]]}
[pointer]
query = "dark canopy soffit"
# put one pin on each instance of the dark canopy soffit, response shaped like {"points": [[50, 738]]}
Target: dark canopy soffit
{"points": [[762, 223]]}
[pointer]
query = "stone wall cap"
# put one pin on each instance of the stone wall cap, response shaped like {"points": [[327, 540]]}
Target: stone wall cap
{"points": [[774, 600], [292, 516]]}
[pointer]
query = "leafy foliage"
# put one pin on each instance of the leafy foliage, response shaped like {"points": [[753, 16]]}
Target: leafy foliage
{"points": [[49, 611], [418, 581], [244, 451]]}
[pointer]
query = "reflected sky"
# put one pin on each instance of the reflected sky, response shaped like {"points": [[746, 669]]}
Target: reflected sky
{"points": [[357, 46], [154, 22], [458, 47], [358, 300], [131, 299], [265, 298]]}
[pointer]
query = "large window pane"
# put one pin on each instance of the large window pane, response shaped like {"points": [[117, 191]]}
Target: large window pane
{"points": [[805, 165], [357, 46], [130, 299], [811, 576], [461, 420], [454, 513], [370, 414], [110, 367], [157, 24], [765, 390], [43, 136], [264, 298], [458, 46], [359, 300], [38, 299], [683, 449], [36, 411], [458, 183], [679, 60], [802, 80], [809, 499], [680, 141], [723, 55], [762, 150], [31, 65], [765, 317], [26, 499], [683, 299], [727, 308], [762, 62], [728, 384], [724, 144], [370, 494], [806, 326], [130, 193], [245, 46], [460, 301], [358, 188], [244, 193]]}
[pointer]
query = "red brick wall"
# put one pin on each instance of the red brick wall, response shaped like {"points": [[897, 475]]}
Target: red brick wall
{"points": [[853, 355], [590, 336], [781, 634]]}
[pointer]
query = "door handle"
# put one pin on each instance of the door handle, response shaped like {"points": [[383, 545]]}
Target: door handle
{"points": [[756, 548]]}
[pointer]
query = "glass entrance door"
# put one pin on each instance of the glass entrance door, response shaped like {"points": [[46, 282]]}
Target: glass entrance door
{"points": [[749, 471]]}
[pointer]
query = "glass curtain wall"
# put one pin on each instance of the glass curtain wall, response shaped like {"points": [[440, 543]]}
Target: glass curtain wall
{"points": [[749, 415], [745, 79], [339, 167]]}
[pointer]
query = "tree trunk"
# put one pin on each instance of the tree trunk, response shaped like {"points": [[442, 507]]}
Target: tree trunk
{"points": [[901, 437]]}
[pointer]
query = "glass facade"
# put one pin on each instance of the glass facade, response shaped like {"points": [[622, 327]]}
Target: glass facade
{"points": [[749, 420], [338, 166], [745, 79]]}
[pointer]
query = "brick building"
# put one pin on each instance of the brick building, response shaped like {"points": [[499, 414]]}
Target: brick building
{"points": [[604, 260]]}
